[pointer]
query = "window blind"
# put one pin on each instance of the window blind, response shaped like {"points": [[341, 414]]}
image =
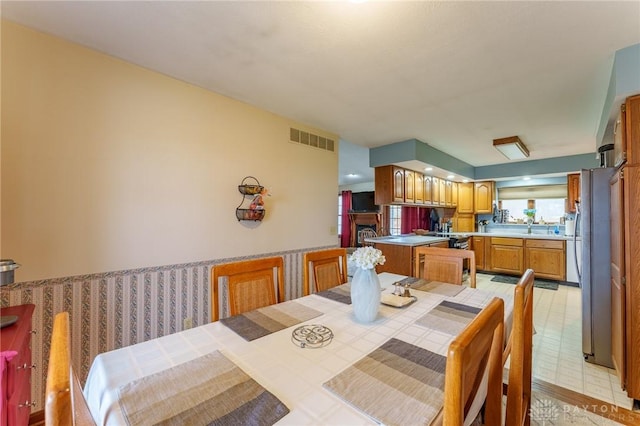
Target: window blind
{"points": [[533, 192]]}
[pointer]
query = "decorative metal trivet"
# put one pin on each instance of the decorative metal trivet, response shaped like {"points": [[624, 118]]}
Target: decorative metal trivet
{"points": [[311, 336]]}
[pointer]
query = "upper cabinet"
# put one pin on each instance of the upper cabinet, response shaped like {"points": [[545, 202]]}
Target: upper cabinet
{"points": [[428, 190], [573, 191], [395, 185], [454, 194], [435, 191], [409, 186], [389, 185], [483, 197], [465, 197], [626, 144]]}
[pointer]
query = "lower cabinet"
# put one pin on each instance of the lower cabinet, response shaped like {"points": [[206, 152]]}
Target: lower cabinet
{"points": [[515, 255], [506, 255], [477, 245], [512, 256], [547, 258]]}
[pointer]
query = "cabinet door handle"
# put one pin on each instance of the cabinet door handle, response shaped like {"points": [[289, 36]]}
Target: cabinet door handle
{"points": [[25, 366], [27, 404]]}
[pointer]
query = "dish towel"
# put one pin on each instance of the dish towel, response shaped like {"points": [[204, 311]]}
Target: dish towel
{"points": [[396, 384], [210, 390], [264, 321], [341, 293], [448, 317], [445, 289]]}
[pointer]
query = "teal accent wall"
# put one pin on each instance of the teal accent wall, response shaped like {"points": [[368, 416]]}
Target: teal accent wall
{"points": [[413, 149], [624, 82], [568, 164]]}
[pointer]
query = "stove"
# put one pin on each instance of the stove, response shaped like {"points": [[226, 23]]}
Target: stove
{"points": [[459, 242]]}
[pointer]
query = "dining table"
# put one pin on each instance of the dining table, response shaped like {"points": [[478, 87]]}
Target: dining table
{"points": [[271, 366]]}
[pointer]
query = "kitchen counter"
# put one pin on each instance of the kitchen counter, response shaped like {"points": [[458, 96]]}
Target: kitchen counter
{"points": [[513, 235], [414, 240], [411, 240]]}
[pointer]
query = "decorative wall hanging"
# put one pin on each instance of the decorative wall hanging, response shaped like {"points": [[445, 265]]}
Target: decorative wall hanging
{"points": [[252, 205]]}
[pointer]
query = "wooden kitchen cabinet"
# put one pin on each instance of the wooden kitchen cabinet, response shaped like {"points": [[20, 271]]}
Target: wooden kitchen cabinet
{"points": [[625, 258], [463, 222], [435, 191], [506, 255], [465, 197], [427, 189], [573, 191], [483, 197], [409, 186], [443, 192], [448, 193], [477, 245], [16, 381], [454, 194], [418, 188], [389, 185], [546, 257]]}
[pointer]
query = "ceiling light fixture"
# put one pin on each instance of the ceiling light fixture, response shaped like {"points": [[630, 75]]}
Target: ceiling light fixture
{"points": [[428, 169], [511, 147]]}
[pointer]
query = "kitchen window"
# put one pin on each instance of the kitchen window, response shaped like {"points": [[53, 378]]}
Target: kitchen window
{"points": [[547, 200], [395, 220]]}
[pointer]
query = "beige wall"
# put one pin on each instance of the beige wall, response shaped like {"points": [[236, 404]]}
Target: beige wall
{"points": [[107, 166]]}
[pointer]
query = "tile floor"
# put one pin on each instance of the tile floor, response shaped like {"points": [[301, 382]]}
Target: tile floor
{"points": [[557, 344]]}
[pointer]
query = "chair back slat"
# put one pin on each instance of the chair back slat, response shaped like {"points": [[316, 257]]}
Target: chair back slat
{"points": [[251, 284], [520, 347], [64, 401], [474, 353], [444, 264], [324, 269]]}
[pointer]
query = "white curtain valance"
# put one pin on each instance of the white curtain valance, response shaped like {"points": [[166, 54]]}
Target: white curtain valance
{"points": [[532, 192]]}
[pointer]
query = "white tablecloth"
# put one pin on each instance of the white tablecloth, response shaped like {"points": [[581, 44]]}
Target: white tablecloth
{"points": [[293, 374]]}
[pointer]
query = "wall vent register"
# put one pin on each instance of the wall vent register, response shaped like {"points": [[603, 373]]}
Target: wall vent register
{"points": [[309, 139]]}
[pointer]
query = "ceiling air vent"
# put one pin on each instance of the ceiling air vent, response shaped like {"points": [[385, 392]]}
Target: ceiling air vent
{"points": [[316, 141]]}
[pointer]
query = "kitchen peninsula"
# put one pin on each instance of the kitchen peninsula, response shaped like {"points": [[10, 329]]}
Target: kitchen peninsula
{"points": [[502, 252], [399, 251]]}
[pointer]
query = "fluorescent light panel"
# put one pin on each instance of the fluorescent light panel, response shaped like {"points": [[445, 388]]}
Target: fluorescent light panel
{"points": [[511, 147]]}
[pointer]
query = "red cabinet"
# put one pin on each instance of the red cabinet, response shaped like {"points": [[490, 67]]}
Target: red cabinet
{"points": [[15, 345]]}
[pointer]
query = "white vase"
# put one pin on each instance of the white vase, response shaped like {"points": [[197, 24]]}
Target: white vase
{"points": [[365, 295]]}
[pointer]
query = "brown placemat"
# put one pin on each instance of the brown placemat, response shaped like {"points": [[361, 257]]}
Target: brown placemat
{"points": [[210, 390], [445, 289], [264, 321], [448, 317], [396, 384], [341, 293]]}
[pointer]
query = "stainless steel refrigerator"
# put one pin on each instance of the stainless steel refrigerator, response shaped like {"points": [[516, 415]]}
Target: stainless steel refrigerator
{"points": [[595, 275]]}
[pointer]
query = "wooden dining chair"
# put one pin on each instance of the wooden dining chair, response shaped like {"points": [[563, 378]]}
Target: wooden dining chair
{"points": [[328, 268], [520, 346], [251, 285], [64, 401], [476, 351], [444, 264]]}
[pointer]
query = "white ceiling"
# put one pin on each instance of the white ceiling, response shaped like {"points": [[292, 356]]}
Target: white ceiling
{"points": [[455, 75]]}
